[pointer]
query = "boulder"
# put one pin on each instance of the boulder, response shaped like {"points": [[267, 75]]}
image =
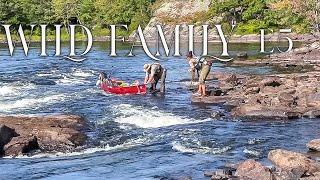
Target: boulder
{"points": [[21, 145], [286, 99], [314, 145], [293, 162], [6, 134], [232, 79], [271, 81], [60, 139], [256, 111], [312, 114], [252, 90], [251, 169], [60, 133], [242, 55]]}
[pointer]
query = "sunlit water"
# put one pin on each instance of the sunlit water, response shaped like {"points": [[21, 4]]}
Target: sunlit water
{"points": [[140, 137]]}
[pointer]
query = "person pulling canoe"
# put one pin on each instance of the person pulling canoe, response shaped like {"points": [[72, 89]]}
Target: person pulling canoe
{"points": [[154, 73]]}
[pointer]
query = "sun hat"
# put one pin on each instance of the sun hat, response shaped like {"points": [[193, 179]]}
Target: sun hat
{"points": [[146, 67]]}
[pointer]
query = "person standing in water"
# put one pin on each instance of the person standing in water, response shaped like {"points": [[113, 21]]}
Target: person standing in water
{"points": [[204, 72], [192, 63], [154, 73]]}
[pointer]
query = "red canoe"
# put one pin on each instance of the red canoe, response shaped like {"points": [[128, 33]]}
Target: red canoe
{"points": [[128, 90]]}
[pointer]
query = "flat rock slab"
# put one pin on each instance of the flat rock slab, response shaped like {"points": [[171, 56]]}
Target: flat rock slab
{"points": [[57, 133], [314, 145]]}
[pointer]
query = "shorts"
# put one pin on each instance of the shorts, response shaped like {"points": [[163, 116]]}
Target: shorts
{"points": [[205, 69]]}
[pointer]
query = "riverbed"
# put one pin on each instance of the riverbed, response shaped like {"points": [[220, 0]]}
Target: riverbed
{"points": [[140, 137]]}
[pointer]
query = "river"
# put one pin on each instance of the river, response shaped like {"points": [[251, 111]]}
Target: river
{"points": [[134, 137]]}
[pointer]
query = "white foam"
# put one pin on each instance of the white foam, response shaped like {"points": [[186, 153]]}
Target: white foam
{"points": [[80, 73], [198, 149], [148, 117], [31, 102], [7, 90], [251, 152], [44, 74], [71, 81], [105, 148], [14, 90]]}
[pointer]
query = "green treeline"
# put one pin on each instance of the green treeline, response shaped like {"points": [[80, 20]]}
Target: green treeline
{"points": [[302, 16], [94, 14]]}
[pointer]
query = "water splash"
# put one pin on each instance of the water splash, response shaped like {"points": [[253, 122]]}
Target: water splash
{"points": [[148, 117]]}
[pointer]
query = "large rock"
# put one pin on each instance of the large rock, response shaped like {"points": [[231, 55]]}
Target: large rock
{"points": [[179, 12], [6, 134], [251, 169], [314, 145], [21, 145], [255, 111], [60, 133], [295, 163], [286, 99]]}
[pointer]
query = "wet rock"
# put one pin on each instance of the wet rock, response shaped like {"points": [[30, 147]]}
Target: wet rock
{"points": [[232, 79], [295, 163], [43, 82], [314, 145], [219, 174], [315, 176], [217, 114], [258, 112], [6, 134], [312, 114], [293, 115], [60, 133], [176, 178], [215, 92], [242, 55], [210, 99], [21, 145], [253, 170], [60, 139]]}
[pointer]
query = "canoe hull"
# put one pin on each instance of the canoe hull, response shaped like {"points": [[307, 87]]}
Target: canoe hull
{"points": [[129, 90]]}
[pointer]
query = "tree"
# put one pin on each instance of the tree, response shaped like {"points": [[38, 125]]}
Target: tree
{"points": [[66, 9]]}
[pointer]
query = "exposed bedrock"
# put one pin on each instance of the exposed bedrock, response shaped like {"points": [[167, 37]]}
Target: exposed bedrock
{"points": [[283, 96], [287, 165], [20, 135]]}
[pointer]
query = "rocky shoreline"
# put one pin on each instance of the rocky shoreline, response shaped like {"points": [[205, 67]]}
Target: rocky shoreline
{"points": [[293, 94], [286, 165], [281, 96], [25, 135], [289, 95]]}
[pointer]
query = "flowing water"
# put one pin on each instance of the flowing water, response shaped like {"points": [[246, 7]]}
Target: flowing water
{"points": [[140, 137]]}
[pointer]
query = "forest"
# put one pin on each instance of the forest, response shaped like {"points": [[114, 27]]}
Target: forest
{"points": [[250, 15]]}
